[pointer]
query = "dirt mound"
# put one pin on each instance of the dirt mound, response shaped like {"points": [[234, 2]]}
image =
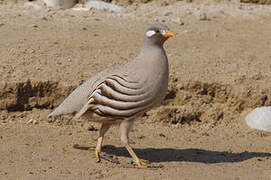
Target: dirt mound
{"points": [[257, 1], [219, 67], [190, 102], [161, 2], [219, 70]]}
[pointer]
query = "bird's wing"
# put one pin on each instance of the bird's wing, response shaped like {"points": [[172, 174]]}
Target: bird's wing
{"points": [[117, 97], [78, 98]]}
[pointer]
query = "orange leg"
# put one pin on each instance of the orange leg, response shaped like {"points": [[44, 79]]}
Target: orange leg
{"points": [[104, 128]]}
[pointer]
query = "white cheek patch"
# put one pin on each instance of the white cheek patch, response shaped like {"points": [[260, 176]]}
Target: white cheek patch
{"points": [[150, 33]]}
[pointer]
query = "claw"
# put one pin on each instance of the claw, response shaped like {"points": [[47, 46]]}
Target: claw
{"points": [[91, 148], [141, 164]]}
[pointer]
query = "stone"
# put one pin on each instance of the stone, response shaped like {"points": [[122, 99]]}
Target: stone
{"points": [[260, 118], [65, 4]]}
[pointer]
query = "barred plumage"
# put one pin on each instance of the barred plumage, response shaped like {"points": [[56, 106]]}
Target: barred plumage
{"points": [[124, 101], [125, 92]]}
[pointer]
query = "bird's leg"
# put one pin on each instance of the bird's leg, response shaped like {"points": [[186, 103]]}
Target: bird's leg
{"points": [[104, 128], [133, 154], [125, 128]]}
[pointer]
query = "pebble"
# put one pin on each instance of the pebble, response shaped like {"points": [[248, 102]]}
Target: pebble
{"points": [[91, 128], [203, 16], [44, 18], [168, 14], [65, 4], [141, 137], [162, 135], [32, 121], [32, 5], [178, 21], [164, 3], [35, 26], [101, 6]]}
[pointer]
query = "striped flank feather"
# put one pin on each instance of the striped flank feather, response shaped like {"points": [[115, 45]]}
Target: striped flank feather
{"points": [[117, 97]]}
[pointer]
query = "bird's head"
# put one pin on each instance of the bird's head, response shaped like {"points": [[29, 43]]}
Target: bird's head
{"points": [[157, 34]]}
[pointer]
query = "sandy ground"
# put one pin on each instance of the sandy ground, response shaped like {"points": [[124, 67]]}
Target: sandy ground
{"points": [[220, 63]]}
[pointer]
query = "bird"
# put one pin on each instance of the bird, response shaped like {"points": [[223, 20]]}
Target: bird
{"points": [[122, 94]]}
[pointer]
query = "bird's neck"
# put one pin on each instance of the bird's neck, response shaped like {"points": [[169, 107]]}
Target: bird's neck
{"points": [[147, 43], [153, 57]]}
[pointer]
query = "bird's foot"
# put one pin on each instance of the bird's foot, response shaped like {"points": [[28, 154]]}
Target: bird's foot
{"points": [[98, 157], [141, 164], [91, 148]]}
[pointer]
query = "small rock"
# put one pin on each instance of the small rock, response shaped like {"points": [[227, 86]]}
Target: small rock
{"points": [[164, 3], [168, 14], [144, 1], [65, 171], [259, 118], [44, 18], [205, 134], [178, 21], [141, 137], [65, 4], [4, 115], [162, 135], [100, 5], [91, 128], [22, 115], [32, 121], [75, 146], [203, 16], [32, 5], [35, 26], [50, 120]]}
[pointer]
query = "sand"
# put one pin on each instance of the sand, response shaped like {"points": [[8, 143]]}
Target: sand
{"points": [[220, 63]]}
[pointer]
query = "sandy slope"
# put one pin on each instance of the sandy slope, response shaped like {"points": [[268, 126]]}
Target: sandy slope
{"points": [[219, 70]]}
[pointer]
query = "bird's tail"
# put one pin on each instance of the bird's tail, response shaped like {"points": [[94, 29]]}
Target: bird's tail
{"points": [[54, 113]]}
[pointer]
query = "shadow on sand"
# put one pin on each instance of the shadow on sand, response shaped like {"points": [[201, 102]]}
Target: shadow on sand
{"points": [[178, 155]]}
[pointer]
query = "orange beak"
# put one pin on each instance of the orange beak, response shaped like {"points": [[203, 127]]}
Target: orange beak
{"points": [[168, 34]]}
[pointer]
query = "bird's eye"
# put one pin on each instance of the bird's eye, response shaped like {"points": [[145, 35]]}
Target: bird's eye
{"points": [[157, 31], [163, 32]]}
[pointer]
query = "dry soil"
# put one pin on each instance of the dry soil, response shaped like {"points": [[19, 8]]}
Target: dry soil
{"points": [[220, 62]]}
